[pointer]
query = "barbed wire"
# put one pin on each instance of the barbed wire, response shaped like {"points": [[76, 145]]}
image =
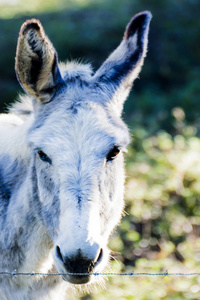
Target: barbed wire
{"points": [[132, 273]]}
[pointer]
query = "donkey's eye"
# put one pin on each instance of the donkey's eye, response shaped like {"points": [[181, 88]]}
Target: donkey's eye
{"points": [[113, 153], [43, 156]]}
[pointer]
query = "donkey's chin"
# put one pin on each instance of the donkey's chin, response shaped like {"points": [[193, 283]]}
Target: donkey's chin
{"points": [[77, 279]]}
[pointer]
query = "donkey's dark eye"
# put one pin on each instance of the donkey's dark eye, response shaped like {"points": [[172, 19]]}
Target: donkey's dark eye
{"points": [[43, 156], [113, 153]]}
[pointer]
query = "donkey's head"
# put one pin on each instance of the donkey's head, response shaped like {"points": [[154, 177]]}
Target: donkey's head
{"points": [[77, 140]]}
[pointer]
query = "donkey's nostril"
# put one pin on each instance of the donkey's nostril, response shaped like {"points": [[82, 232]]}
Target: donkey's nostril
{"points": [[99, 256], [59, 255]]}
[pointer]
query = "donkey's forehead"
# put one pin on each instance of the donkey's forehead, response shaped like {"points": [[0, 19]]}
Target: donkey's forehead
{"points": [[77, 122]]}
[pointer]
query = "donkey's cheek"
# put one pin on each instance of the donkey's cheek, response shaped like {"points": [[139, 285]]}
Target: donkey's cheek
{"points": [[51, 216], [112, 194], [49, 201], [110, 214], [47, 181], [112, 211]]}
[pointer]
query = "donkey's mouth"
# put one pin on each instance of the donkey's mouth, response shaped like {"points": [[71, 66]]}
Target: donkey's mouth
{"points": [[77, 279]]}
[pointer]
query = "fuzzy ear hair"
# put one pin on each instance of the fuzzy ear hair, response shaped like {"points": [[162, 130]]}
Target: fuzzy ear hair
{"points": [[115, 77], [36, 62]]}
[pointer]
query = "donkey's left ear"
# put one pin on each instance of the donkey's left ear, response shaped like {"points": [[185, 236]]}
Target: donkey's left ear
{"points": [[115, 77], [36, 63]]}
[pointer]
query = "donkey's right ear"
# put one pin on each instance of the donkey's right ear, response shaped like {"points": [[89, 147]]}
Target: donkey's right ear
{"points": [[36, 62]]}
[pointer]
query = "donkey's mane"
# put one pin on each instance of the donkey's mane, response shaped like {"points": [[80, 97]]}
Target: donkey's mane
{"points": [[73, 69], [23, 107]]}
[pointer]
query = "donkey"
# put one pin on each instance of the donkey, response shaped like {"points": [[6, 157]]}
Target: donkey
{"points": [[61, 163]]}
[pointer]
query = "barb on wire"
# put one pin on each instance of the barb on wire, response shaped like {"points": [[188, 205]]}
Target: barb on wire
{"points": [[166, 274]]}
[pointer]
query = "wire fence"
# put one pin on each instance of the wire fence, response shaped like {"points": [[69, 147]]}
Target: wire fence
{"points": [[162, 274]]}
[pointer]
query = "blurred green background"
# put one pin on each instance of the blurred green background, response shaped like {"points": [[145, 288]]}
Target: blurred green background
{"points": [[161, 230]]}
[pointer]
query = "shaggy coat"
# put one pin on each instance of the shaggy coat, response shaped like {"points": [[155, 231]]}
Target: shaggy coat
{"points": [[61, 163]]}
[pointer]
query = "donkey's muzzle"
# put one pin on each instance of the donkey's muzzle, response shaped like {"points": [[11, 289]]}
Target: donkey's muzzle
{"points": [[79, 267]]}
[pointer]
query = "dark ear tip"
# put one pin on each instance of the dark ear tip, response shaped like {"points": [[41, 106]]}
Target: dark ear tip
{"points": [[30, 24], [139, 22], [147, 15]]}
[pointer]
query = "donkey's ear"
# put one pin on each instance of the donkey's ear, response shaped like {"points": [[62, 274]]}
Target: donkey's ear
{"points": [[118, 72], [36, 63]]}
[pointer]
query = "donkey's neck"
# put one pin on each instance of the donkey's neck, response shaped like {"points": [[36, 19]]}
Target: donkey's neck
{"points": [[24, 243], [13, 133]]}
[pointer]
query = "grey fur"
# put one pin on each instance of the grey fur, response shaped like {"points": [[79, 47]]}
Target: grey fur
{"points": [[61, 197]]}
